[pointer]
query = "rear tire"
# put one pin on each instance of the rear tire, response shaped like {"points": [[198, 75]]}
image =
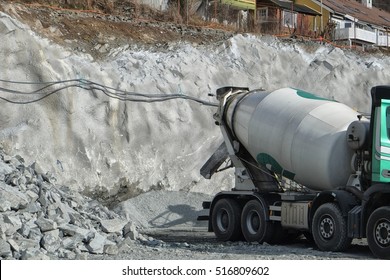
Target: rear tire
{"points": [[378, 232], [226, 220], [254, 224], [329, 228]]}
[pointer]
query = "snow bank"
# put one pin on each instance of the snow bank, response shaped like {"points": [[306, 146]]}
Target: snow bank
{"points": [[89, 141]]}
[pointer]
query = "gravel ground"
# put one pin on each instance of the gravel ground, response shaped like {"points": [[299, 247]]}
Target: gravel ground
{"points": [[198, 244], [169, 220]]}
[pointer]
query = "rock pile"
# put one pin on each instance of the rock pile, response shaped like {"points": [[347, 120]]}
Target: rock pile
{"points": [[42, 220]]}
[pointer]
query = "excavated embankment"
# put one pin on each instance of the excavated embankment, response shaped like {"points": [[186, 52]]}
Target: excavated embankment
{"points": [[112, 151]]}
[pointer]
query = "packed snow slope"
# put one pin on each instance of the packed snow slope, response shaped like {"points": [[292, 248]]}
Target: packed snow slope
{"points": [[92, 142]]}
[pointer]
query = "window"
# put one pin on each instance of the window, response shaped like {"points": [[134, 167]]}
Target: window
{"points": [[347, 25], [289, 19], [388, 121], [262, 13]]}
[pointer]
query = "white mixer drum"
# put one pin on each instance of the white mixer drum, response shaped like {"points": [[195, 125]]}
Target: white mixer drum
{"points": [[296, 134]]}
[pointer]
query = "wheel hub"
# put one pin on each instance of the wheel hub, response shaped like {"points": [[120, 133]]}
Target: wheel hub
{"points": [[327, 228], [382, 233], [253, 222], [223, 220]]}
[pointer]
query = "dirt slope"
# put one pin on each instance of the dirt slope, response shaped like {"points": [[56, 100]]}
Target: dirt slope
{"points": [[95, 32]]}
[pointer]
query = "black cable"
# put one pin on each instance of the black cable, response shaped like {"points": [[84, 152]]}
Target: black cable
{"points": [[47, 90]]}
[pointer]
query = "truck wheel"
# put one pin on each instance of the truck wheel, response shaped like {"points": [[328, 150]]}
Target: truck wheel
{"points": [[378, 232], [329, 228], [226, 220], [254, 225]]}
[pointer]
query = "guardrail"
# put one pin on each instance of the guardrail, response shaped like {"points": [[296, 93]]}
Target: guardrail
{"points": [[362, 35]]}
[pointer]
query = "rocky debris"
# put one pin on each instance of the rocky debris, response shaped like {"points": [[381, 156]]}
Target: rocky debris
{"points": [[130, 231], [42, 220], [113, 225]]}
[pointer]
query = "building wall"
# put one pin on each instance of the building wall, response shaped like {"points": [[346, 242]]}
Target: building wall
{"points": [[317, 23]]}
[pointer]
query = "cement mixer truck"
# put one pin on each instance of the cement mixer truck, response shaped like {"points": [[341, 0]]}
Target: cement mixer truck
{"points": [[303, 165]]}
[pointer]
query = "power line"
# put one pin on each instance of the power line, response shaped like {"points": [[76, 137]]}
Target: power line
{"points": [[47, 89]]}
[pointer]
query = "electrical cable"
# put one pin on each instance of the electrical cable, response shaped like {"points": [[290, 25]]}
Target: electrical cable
{"points": [[47, 89]]}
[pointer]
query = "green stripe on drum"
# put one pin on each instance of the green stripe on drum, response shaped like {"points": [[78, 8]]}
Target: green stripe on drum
{"points": [[309, 95], [271, 164]]}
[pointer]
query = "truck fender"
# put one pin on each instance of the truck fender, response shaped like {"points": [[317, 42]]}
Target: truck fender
{"points": [[344, 199], [374, 197]]}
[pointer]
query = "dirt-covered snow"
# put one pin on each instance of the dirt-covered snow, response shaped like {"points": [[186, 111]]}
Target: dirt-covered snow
{"points": [[143, 160]]}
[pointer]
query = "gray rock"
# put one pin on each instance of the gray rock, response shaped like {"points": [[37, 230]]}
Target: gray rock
{"points": [[28, 217], [25, 244], [37, 168], [110, 249], [72, 243], [96, 245], [14, 181], [5, 205], [24, 230], [33, 207], [125, 244], [130, 231], [35, 234], [38, 220], [5, 249], [5, 169], [14, 224], [22, 181], [7, 158], [72, 230], [14, 245], [13, 220], [73, 204], [17, 199], [33, 188], [82, 256], [43, 200], [74, 218], [64, 211], [51, 242], [18, 159], [46, 224], [32, 196], [7, 230], [54, 197], [113, 225], [142, 238], [33, 254], [55, 233], [66, 254], [17, 255], [28, 175], [52, 211]]}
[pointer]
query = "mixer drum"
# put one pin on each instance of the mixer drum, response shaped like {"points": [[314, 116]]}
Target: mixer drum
{"points": [[295, 134]]}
